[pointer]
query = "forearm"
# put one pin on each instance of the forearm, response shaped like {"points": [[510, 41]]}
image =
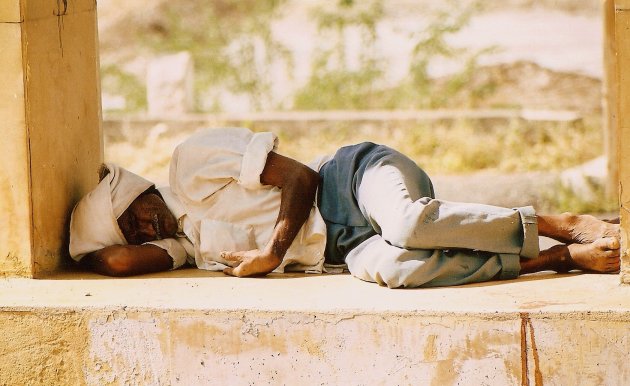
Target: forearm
{"points": [[297, 198], [298, 184], [128, 260]]}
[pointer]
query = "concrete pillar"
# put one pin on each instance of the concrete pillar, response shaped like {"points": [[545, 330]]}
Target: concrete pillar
{"points": [[609, 91], [50, 116], [622, 39]]}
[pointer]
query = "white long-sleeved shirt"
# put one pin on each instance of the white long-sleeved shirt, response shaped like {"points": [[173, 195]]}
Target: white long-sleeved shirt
{"points": [[216, 195]]}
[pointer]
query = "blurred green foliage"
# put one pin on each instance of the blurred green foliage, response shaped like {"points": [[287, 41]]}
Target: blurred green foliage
{"points": [[333, 86], [563, 198], [230, 42], [116, 81], [233, 48], [458, 146]]}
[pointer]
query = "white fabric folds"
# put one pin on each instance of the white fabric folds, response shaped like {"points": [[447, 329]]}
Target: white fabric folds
{"points": [[93, 223], [217, 196]]}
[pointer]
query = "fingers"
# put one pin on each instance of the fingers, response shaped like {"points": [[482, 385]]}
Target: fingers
{"points": [[232, 271], [238, 271], [233, 259], [247, 263]]}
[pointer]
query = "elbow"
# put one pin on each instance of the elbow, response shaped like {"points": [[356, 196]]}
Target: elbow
{"points": [[113, 261], [310, 179], [115, 269]]}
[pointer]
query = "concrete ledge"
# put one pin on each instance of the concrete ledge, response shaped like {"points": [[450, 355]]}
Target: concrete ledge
{"points": [[195, 327]]}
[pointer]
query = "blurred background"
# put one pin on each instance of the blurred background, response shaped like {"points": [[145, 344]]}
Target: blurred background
{"points": [[499, 101]]}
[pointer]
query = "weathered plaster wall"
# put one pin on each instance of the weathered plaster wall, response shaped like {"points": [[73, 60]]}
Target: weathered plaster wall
{"points": [[193, 327], [154, 347], [52, 145], [244, 348], [622, 39], [46, 348]]}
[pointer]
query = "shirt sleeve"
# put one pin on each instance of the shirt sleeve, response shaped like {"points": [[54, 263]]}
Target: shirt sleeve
{"points": [[255, 158], [211, 159], [174, 249]]}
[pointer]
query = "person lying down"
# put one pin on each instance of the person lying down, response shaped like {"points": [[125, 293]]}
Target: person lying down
{"points": [[235, 205]]}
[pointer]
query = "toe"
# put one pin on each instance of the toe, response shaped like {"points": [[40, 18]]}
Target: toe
{"points": [[612, 268], [611, 243]]}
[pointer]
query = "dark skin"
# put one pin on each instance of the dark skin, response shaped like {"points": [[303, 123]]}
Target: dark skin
{"points": [[147, 219], [589, 244], [298, 184]]}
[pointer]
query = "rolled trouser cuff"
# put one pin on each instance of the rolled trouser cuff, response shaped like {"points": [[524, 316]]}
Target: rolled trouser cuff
{"points": [[531, 247], [510, 266]]}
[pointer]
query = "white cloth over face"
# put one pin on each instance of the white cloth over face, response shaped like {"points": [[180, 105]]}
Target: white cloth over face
{"points": [[93, 223], [216, 195]]}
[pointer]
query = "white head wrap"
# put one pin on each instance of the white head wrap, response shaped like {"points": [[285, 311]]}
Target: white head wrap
{"points": [[93, 223]]}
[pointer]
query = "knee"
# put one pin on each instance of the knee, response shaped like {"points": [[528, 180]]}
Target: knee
{"points": [[373, 261], [403, 232], [411, 227], [399, 235], [388, 275], [378, 262]]}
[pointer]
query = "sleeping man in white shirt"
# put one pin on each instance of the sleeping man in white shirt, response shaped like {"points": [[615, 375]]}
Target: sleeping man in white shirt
{"points": [[235, 205]]}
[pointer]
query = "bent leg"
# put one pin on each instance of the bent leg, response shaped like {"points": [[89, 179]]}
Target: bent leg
{"points": [[376, 260], [396, 198]]}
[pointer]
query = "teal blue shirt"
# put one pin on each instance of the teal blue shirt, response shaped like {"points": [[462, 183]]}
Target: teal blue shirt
{"points": [[346, 226]]}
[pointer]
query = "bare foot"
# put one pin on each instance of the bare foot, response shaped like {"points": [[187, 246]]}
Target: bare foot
{"points": [[599, 256], [588, 229], [570, 228]]}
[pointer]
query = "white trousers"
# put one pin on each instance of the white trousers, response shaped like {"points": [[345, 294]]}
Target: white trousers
{"points": [[423, 241]]}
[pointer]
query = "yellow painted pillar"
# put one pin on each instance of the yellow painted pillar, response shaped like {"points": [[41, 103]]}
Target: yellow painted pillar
{"points": [[50, 115], [622, 39], [609, 91]]}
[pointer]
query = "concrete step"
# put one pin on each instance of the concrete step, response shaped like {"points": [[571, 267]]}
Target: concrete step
{"points": [[192, 327]]}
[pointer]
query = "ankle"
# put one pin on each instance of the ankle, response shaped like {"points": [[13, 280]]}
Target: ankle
{"points": [[559, 258], [558, 227]]}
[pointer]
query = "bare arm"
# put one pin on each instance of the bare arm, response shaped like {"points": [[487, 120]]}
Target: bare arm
{"points": [[128, 260], [299, 185]]}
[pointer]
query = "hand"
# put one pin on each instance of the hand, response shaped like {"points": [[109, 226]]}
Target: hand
{"points": [[250, 263]]}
